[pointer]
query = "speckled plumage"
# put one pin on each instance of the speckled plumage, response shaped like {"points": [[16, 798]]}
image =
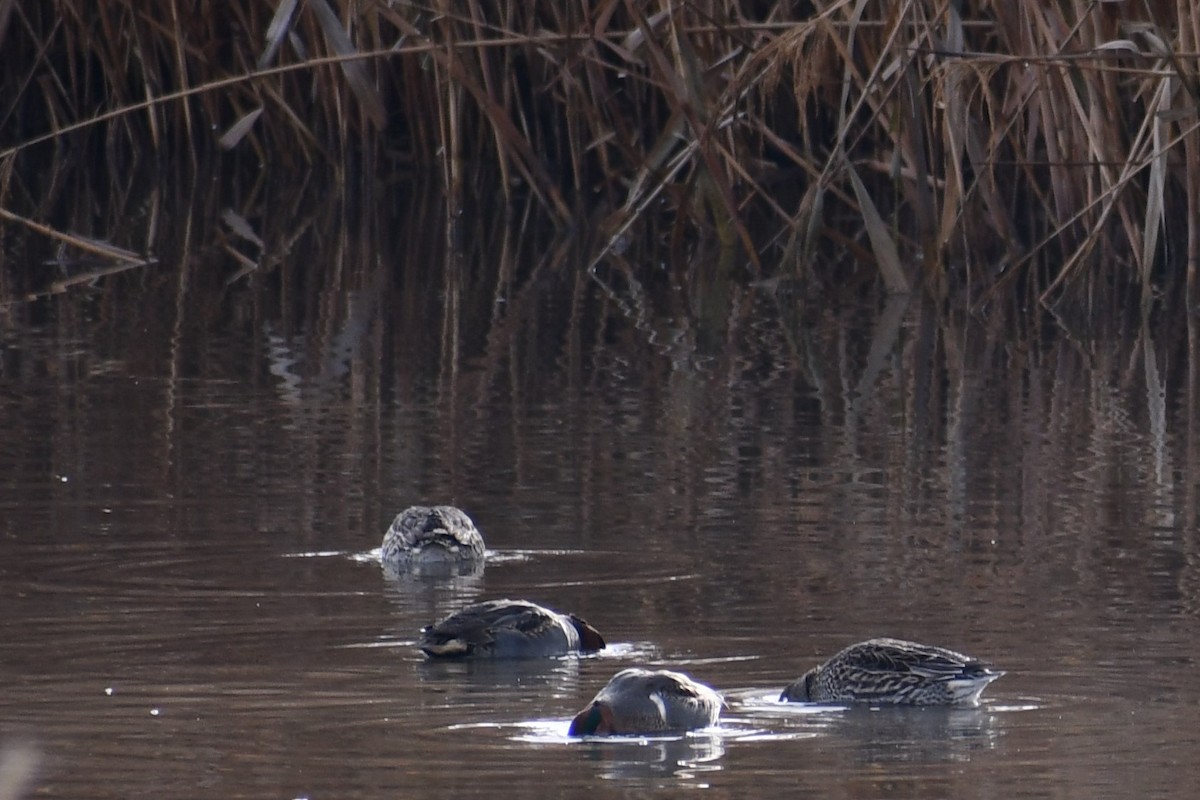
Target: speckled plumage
{"points": [[509, 629], [640, 701], [432, 536], [894, 672]]}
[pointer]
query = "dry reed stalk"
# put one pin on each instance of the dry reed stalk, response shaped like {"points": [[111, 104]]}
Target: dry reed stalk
{"points": [[1188, 24], [960, 136]]}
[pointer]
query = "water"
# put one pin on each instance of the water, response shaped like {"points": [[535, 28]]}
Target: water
{"points": [[191, 494]]}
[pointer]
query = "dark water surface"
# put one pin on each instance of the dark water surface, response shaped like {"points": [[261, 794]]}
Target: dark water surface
{"points": [[189, 501]]}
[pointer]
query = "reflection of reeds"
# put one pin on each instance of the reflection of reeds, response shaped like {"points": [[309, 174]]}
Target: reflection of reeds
{"points": [[370, 363], [935, 146]]}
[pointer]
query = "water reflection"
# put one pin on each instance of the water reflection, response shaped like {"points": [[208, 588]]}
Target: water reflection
{"points": [[550, 678], [652, 763], [195, 477], [433, 571], [917, 734], [878, 735]]}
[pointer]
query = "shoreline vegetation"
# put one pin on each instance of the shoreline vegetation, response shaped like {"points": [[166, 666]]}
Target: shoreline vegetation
{"points": [[1028, 152]]}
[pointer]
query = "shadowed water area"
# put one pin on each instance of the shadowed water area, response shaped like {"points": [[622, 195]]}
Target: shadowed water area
{"points": [[199, 464]]}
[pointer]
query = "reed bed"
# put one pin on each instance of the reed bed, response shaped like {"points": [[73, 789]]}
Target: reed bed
{"points": [[1031, 150]]}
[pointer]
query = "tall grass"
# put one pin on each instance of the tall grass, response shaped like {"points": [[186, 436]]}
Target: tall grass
{"points": [[960, 147]]}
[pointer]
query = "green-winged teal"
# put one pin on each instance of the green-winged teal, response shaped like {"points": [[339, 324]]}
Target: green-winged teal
{"points": [[641, 701], [509, 629], [432, 536], [894, 672]]}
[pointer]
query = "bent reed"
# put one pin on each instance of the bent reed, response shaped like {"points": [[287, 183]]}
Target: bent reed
{"points": [[960, 147]]}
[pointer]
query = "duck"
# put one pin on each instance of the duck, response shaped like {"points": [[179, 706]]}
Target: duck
{"points": [[894, 672], [640, 701], [432, 536], [508, 629]]}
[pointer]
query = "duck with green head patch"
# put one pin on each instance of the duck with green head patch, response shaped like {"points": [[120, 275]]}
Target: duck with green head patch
{"points": [[640, 701]]}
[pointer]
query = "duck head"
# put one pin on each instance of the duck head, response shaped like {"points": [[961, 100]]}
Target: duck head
{"points": [[595, 720], [590, 639], [800, 690]]}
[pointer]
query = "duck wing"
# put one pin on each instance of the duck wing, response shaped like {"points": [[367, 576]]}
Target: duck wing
{"points": [[476, 629], [897, 657], [681, 702]]}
